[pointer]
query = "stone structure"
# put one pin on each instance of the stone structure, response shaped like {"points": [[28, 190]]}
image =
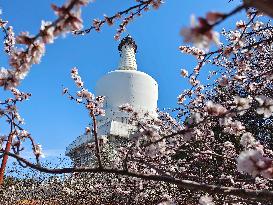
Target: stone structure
{"points": [[126, 85]]}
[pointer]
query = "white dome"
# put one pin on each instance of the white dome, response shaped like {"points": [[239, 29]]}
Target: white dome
{"points": [[128, 86]]}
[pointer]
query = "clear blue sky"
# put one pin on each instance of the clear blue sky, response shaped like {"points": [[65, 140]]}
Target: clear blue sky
{"points": [[55, 121]]}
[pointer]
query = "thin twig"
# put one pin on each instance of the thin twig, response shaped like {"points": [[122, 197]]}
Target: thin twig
{"points": [[95, 133], [126, 11]]}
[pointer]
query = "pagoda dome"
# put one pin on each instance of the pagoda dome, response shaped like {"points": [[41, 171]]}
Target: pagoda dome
{"points": [[132, 87]]}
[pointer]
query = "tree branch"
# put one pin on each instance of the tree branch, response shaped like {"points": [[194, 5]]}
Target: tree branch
{"points": [[259, 195], [95, 132], [126, 11], [265, 6], [5, 156], [234, 11]]}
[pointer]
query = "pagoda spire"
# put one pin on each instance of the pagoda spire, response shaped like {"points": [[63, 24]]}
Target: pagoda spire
{"points": [[127, 48]]}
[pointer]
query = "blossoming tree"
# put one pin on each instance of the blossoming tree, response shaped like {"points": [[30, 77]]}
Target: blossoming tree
{"points": [[216, 150]]}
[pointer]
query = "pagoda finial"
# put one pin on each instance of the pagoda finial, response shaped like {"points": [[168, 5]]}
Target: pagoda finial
{"points": [[127, 48], [128, 40]]}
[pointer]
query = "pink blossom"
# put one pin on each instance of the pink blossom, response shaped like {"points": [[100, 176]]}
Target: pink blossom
{"points": [[181, 98], [194, 81], [206, 200], [24, 38], [253, 163], [9, 41], [84, 2], [8, 79], [215, 109], [73, 22], [59, 11], [126, 107], [84, 93], [200, 34], [36, 51], [235, 127], [247, 139], [184, 73], [46, 32], [228, 144], [242, 103], [240, 24], [266, 106], [156, 3], [194, 118], [166, 202], [23, 133], [77, 79], [38, 150], [223, 81]]}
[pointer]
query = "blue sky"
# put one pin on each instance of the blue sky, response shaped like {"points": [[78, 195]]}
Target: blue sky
{"points": [[55, 121]]}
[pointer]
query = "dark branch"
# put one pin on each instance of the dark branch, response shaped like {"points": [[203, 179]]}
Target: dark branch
{"points": [[259, 195], [138, 6]]}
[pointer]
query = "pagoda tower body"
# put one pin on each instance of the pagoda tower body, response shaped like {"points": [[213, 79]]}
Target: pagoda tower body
{"points": [[126, 85]]}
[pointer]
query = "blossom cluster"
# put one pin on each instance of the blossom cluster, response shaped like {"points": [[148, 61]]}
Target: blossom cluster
{"points": [[201, 33], [93, 104], [32, 48], [253, 162], [236, 102], [122, 27], [128, 16], [17, 135]]}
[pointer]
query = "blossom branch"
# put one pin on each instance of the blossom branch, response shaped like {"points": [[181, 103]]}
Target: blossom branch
{"points": [[225, 16], [110, 20], [259, 195], [262, 5], [21, 60], [95, 133], [5, 156], [92, 104]]}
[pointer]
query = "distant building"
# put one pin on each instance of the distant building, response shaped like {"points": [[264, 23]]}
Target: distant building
{"points": [[126, 85]]}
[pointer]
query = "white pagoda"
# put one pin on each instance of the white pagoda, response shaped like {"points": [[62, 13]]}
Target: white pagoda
{"points": [[126, 85]]}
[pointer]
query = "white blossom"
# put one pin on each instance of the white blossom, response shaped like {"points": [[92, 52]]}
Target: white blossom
{"points": [[253, 163], [215, 109], [206, 200], [242, 103], [38, 150], [247, 139], [199, 39], [266, 106], [184, 73]]}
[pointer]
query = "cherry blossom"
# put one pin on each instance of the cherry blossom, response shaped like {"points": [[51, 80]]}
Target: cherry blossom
{"points": [[38, 150], [247, 140], [47, 34], [127, 108], [215, 109], [200, 34], [184, 73], [9, 42], [254, 163], [242, 103], [205, 200], [266, 106], [22, 60]]}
